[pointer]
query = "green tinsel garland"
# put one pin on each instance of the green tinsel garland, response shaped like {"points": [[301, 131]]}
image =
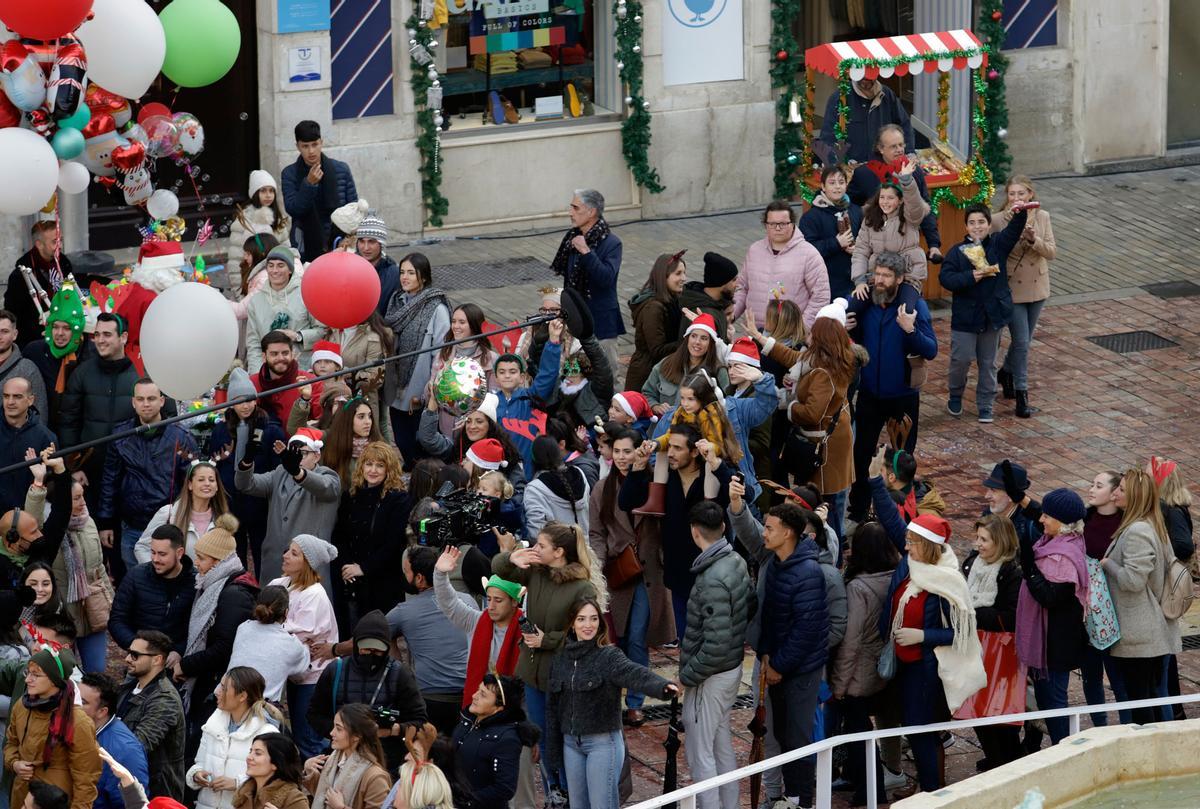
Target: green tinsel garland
{"points": [[991, 30], [895, 61], [976, 171], [635, 130], [428, 144], [785, 77]]}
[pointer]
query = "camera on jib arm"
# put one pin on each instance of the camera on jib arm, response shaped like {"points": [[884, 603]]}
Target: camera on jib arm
{"points": [[461, 516]]}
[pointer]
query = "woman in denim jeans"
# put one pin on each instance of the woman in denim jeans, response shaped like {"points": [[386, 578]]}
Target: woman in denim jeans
{"points": [[1099, 528], [583, 715]]}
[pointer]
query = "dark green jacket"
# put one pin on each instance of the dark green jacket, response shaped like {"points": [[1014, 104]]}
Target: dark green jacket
{"points": [[718, 611]]}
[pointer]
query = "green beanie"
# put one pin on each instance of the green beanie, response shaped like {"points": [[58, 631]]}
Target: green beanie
{"points": [[512, 589]]}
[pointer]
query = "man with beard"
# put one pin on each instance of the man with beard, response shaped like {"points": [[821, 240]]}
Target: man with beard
{"points": [[713, 295], [892, 326], [368, 675], [280, 368]]}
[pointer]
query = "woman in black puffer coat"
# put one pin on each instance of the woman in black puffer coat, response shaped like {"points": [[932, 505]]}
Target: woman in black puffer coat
{"points": [[488, 741], [583, 716]]}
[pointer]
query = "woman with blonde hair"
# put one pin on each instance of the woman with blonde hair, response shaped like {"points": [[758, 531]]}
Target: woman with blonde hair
{"points": [[1029, 281], [353, 775], [369, 535], [1175, 500], [354, 426], [1136, 567], [201, 501], [557, 571]]}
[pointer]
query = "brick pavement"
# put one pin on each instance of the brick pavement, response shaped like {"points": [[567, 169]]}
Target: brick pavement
{"points": [[1099, 410]]}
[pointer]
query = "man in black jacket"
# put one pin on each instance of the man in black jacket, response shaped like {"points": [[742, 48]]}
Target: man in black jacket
{"points": [[150, 707], [39, 259], [157, 595], [368, 675], [20, 431], [712, 295]]}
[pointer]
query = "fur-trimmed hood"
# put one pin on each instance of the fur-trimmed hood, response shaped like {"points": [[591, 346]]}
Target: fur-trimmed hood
{"points": [[572, 571]]}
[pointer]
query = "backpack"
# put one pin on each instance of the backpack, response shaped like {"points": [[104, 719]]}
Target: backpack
{"points": [[1178, 592]]}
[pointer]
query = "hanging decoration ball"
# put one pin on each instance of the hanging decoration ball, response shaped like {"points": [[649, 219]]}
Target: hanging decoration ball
{"points": [[645, 105], [412, 32], [621, 11], [637, 48], [340, 289], [460, 388], [412, 43], [781, 55], [637, 17], [438, 120], [997, 14], [73, 178], [993, 74], [1002, 133], [620, 65], [793, 158], [432, 72], [628, 100], [435, 83], [78, 119], [203, 40], [433, 43]]}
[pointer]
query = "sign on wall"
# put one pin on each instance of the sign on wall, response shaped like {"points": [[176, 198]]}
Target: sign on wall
{"points": [[303, 15], [304, 64], [702, 41]]}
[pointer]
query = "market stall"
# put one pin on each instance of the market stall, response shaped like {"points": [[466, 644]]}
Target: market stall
{"points": [[953, 184]]}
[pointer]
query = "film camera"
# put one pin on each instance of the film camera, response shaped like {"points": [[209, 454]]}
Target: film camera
{"points": [[461, 517]]}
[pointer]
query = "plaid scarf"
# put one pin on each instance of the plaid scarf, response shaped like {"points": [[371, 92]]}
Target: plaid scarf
{"points": [[573, 276]]}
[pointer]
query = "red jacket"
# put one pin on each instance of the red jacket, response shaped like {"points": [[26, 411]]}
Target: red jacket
{"points": [[133, 309], [280, 404]]}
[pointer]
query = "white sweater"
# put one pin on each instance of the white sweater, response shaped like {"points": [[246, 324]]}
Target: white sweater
{"points": [[273, 651]]}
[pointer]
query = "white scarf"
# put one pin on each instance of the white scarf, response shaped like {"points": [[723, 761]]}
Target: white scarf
{"points": [[982, 582], [960, 665]]}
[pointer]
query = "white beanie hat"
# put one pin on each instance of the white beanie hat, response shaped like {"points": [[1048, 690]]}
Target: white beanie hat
{"points": [[260, 179], [834, 310], [348, 217]]}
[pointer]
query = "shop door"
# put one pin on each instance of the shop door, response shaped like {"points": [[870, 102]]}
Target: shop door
{"points": [[228, 110], [1183, 65]]}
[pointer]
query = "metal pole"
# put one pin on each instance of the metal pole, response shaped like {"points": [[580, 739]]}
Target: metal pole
{"points": [[141, 428], [825, 778], [872, 783]]}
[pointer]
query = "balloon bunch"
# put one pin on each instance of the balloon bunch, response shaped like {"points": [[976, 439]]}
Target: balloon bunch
{"points": [[70, 78]]}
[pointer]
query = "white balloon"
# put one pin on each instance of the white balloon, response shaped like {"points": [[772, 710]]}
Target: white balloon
{"points": [[73, 178], [163, 204], [28, 171], [189, 338], [125, 46]]}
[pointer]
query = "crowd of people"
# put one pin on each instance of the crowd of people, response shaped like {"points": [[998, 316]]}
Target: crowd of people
{"points": [[348, 593]]}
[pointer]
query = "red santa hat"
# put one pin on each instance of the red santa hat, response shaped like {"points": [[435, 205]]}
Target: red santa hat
{"points": [[931, 527], [327, 350], [634, 405], [487, 453], [157, 255], [703, 323], [310, 437], [745, 351]]}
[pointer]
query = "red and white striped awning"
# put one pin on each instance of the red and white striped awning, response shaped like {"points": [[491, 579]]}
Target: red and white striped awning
{"points": [[918, 52]]}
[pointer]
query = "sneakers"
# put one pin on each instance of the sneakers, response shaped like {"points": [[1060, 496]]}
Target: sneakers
{"points": [[954, 406], [893, 780], [985, 417], [572, 99], [556, 799]]}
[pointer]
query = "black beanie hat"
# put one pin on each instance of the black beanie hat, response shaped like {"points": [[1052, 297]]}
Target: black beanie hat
{"points": [[718, 270]]}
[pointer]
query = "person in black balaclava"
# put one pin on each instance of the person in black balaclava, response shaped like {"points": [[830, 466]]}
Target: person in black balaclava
{"points": [[370, 676]]}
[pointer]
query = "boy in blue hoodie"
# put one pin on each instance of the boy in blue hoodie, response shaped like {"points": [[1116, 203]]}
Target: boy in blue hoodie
{"points": [[515, 410]]}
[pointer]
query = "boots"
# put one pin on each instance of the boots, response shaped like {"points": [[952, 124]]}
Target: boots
{"points": [[1005, 378], [656, 503], [1024, 411]]}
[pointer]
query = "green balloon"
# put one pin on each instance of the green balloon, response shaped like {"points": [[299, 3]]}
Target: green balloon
{"points": [[203, 40], [68, 143], [79, 120]]}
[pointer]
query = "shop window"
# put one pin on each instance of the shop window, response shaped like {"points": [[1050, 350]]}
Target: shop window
{"points": [[507, 62], [1030, 23]]}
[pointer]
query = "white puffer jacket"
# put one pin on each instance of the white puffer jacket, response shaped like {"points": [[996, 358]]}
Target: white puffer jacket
{"points": [[224, 753]]}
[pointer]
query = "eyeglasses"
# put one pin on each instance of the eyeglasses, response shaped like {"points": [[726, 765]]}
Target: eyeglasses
{"points": [[134, 655], [779, 225]]}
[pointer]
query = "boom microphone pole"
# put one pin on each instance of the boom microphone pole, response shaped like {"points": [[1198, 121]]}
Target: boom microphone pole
{"points": [[574, 312]]}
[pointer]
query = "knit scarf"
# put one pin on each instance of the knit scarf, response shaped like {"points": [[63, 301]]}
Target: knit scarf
{"points": [[77, 580], [409, 319], [1062, 560], [822, 201], [479, 660], [357, 445], [204, 609], [60, 382], [61, 708], [982, 582], [341, 772], [577, 279]]}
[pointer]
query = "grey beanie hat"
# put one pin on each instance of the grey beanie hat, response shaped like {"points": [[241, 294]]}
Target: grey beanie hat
{"points": [[285, 255], [316, 550], [240, 384]]}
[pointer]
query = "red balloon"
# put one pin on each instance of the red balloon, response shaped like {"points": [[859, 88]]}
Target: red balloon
{"points": [[130, 156], [340, 289], [38, 19], [152, 109]]}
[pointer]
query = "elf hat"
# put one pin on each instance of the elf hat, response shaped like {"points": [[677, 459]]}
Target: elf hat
{"points": [[931, 527], [745, 351], [487, 453], [704, 323], [634, 405], [509, 588], [66, 307], [327, 350], [310, 437], [157, 255]]}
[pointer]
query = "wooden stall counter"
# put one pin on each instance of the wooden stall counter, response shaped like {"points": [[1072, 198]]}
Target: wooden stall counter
{"points": [[951, 227]]}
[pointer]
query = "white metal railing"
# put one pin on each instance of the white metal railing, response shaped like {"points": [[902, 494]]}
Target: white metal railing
{"points": [[686, 797]]}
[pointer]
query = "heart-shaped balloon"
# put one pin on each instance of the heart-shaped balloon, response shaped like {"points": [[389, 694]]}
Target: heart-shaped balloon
{"points": [[129, 157], [107, 182], [100, 123]]}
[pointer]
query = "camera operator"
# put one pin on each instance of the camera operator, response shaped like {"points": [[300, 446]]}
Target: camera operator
{"points": [[369, 676]]}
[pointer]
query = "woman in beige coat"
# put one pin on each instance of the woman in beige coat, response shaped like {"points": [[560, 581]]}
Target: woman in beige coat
{"points": [[368, 341], [891, 223], [1135, 565], [1029, 280]]}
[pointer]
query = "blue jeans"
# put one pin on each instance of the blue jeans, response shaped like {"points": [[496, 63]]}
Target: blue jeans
{"points": [[535, 709], [965, 347], [633, 638], [1020, 329], [1051, 692], [306, 739], [593, 765], [1095, 665], [129, 538], [93, 651]]}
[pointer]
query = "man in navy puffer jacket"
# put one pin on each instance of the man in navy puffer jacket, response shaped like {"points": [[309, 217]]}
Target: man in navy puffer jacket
{"points": [[794, 638]]}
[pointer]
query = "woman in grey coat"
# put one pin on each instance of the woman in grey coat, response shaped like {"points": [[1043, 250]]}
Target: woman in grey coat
{"points": [[557, 493], [1135, 565], [302, 498]]}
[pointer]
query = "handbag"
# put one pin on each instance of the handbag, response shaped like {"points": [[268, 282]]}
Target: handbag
{"points": [[918, 370], [1103, 630], [97, 604], [623, 568], [887, 660], [804, 454]]}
